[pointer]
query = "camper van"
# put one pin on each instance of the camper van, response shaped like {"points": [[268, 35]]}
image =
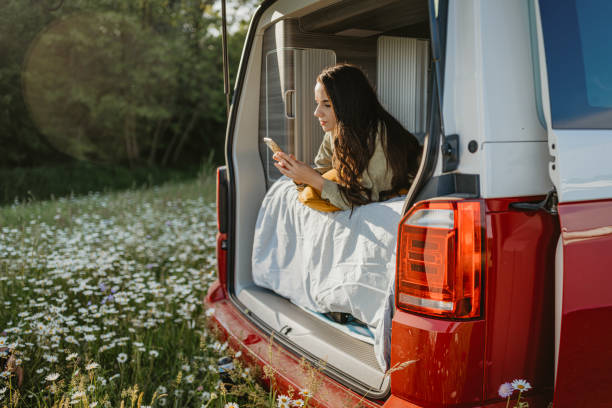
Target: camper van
{"points": [[502, 254]]}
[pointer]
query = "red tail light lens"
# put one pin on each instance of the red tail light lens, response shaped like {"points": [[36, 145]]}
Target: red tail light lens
{"points": [[440, 258]]}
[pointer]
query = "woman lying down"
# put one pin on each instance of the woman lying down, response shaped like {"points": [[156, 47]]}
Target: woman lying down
{"points": [[328, 245]]}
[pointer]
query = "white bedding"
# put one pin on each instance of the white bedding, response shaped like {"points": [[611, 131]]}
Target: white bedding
{"points": [[329, 262]]}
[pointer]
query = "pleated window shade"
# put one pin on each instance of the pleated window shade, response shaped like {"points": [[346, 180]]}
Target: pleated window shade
{"points": [[402, 65]]}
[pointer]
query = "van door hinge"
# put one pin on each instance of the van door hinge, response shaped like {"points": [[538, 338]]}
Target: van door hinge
{"points": [[450, 153], [549, 204]]}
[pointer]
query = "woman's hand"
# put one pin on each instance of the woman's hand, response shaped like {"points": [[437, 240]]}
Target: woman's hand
{"points": [[299, 171]]}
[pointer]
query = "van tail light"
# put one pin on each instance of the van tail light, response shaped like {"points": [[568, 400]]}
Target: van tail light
{"points": [[440, 259], [222, 215]]}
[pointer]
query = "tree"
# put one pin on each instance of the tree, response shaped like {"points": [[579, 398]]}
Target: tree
{"points": [[131, 81]]}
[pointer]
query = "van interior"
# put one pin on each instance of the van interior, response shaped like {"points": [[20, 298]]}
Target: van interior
{"points": [[389, 40]]}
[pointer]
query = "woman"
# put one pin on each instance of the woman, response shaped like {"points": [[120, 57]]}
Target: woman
{"points": [[373, 155]]}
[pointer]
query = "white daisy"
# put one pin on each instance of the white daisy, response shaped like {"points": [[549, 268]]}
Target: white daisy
{"points": [[305, 393], [71, 356], [122, 358], [52, 377], [283, 400], [231, 405], [92, 366], [521, 385]]}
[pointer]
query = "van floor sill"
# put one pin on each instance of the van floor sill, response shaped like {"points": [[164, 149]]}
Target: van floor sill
{"points": [[337, 349]]}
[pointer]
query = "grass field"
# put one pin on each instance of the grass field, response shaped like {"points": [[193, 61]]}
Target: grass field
{"points": [[102, 303]]}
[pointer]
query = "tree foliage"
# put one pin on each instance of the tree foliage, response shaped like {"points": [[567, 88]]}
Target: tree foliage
{"points": [[135, 82]]}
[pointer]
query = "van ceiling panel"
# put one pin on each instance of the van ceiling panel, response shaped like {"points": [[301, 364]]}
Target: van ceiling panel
{"points": [[374, 15]]}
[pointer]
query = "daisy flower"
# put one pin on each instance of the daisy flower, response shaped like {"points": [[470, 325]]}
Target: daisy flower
{"points": [[305, 393], [122, 358], [52, 377], [92, 366], [297, 403], [505, 390], [521, 385], [231, 405], [283, 400], [71, 356]]}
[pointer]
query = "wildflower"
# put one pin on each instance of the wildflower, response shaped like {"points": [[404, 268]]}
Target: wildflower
{"points": [[71, 356], [153, 353], [206, 395], [305, 393], [91, 388], [298, 403], [51, 358], [521, 385], [189, 379], [210, 312], [122, 358], [52, 377], [95, 404], [283, 400], [162, 390], [231, 405], [505, 390], [92, 366], [2, 390]]}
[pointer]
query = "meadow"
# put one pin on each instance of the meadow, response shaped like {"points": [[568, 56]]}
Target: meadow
{"points": [[102, 304]]}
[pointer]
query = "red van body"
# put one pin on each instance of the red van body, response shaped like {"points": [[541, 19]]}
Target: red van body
{"points": [[537, 173]]}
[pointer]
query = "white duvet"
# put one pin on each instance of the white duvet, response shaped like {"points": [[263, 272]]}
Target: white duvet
{"points": [[329, 262]]}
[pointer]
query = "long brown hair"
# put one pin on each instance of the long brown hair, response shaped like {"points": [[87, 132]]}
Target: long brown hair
{"points": [[359, 115]]}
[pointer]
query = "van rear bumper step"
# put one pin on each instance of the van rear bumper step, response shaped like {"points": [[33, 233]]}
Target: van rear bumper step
{"points": [[258, 349]]}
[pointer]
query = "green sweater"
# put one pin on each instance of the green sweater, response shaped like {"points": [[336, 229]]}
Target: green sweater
{"points": [[377, 177]]}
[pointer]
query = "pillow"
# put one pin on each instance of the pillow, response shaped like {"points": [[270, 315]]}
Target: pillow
{"points": [[312, 198]]}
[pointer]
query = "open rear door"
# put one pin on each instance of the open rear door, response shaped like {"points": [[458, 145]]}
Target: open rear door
{"points": [[575, 39]]}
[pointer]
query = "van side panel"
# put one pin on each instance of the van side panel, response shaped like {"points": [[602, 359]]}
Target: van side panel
{"points": [[585, 352], [519, 292]]}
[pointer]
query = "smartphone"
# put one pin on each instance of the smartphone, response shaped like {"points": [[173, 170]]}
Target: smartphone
{"points": [[272, 145]]}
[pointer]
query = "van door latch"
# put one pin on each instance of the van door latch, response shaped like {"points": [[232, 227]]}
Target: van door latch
{"points": [[450, 153], [549, 204]]}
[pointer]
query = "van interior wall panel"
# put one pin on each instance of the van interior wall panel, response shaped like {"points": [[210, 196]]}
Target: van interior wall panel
{"points": [[307, 134], [248, 177], [402, 80]]}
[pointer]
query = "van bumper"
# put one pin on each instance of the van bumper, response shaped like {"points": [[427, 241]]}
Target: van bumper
{"points": [[259, 350]]}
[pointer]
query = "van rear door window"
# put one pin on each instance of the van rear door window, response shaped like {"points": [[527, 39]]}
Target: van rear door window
{"points": [[577, 41]]}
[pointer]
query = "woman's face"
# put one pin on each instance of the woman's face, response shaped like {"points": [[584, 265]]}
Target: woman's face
{"points": [[324, 111]]}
